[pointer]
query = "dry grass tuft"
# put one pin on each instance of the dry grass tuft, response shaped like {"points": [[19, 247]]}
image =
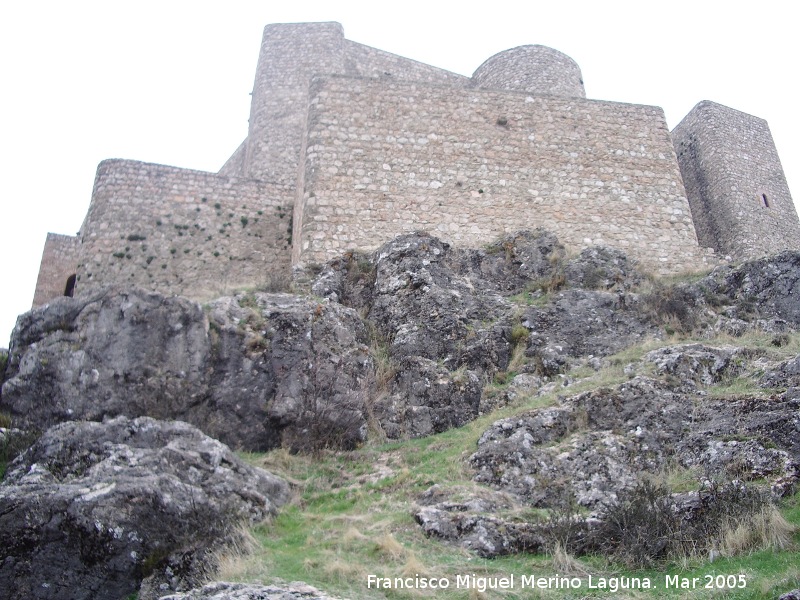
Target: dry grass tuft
{"points": [[414, 567], [353, 535], [235, 559], [764, 530], [344, 571], [564, 563], [388, 546]]}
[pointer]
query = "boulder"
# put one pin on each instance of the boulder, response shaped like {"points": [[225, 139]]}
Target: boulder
{"points": [[475, 520], [699, 363], [250, 591], [300, 369], [580, 323], [602, 268], [92, 509], [427, 398], [254, 371]]}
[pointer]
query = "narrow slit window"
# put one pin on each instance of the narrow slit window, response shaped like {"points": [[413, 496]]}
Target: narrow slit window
{"points": [[765, 200]]}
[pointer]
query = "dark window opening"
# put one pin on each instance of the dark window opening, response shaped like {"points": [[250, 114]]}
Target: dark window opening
{"points": [[764, 198], [69, 289]]}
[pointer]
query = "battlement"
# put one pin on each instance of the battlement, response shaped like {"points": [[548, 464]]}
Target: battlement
{"points": [[349, 146]]}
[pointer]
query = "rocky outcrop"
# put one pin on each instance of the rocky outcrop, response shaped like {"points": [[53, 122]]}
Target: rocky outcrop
{"points": [[699, 363], [766, 289], [402, 340], [595, 449], [594, 445], [258, 370], [299, 369], [477, 521], [248, 591], [91, 509]]}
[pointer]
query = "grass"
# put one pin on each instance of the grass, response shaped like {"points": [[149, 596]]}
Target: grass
{"points": [[352, 516], [343, 527]]}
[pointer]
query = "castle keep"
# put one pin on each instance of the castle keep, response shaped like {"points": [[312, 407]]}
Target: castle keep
{"points": [[349, 146]]}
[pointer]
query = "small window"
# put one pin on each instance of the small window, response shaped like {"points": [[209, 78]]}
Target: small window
{"points": [[69, 289], [765, 200]]}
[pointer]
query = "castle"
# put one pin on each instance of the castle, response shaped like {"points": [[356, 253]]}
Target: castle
{"points": [[350, 146]]}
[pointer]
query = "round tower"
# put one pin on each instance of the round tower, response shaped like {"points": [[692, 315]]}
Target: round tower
{"points": [[533, 69]]}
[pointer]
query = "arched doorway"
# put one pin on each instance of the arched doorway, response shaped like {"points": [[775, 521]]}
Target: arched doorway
{"points": [[69, 289]]}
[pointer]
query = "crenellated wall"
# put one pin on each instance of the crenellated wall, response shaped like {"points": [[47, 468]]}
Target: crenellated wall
{"points": [[186, 232], [385, 158]]}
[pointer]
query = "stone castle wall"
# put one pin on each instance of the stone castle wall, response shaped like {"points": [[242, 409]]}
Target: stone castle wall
{"points": [[59, 263], [733, 176], [291, 54], [180, 231], [385, 158], [349, 146]]}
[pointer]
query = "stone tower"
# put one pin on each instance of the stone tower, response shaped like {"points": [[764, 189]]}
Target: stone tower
{"points": [[741, 205], [350, 146]]}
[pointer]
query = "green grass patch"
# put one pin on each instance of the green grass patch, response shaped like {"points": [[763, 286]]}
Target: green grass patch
{"points": [[352, 513]]}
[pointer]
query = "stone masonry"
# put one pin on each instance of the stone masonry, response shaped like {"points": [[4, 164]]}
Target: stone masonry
{"points": [[350, 146], [734, 180]]}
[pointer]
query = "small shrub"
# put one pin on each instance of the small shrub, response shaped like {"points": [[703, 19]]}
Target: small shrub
{"points": [[13, 445], [671, 307], [519, 334], [248, 301], [276, 283], [566, 530], [643, 528], [135, 237], [638, 529], [244, 221], [780, 340]]}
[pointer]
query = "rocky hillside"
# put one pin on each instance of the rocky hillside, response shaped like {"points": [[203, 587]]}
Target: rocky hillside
{"points": [[576, 381]]}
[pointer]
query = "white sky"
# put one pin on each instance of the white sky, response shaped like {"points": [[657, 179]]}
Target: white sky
{"points": [[168, 81]]}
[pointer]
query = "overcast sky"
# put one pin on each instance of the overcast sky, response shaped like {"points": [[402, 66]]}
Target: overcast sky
{"points": [[168, 81]]}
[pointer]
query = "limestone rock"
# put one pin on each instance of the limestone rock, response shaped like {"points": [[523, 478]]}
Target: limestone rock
{"points": [[580, 323], [787, 375], [301, 368], [698, 363], [259, 368], [595, 444], [423, 305], [249, 591], [426, 398], [93, 508], [473, 522], [602, 268], [130, 352], [767, 289]]}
